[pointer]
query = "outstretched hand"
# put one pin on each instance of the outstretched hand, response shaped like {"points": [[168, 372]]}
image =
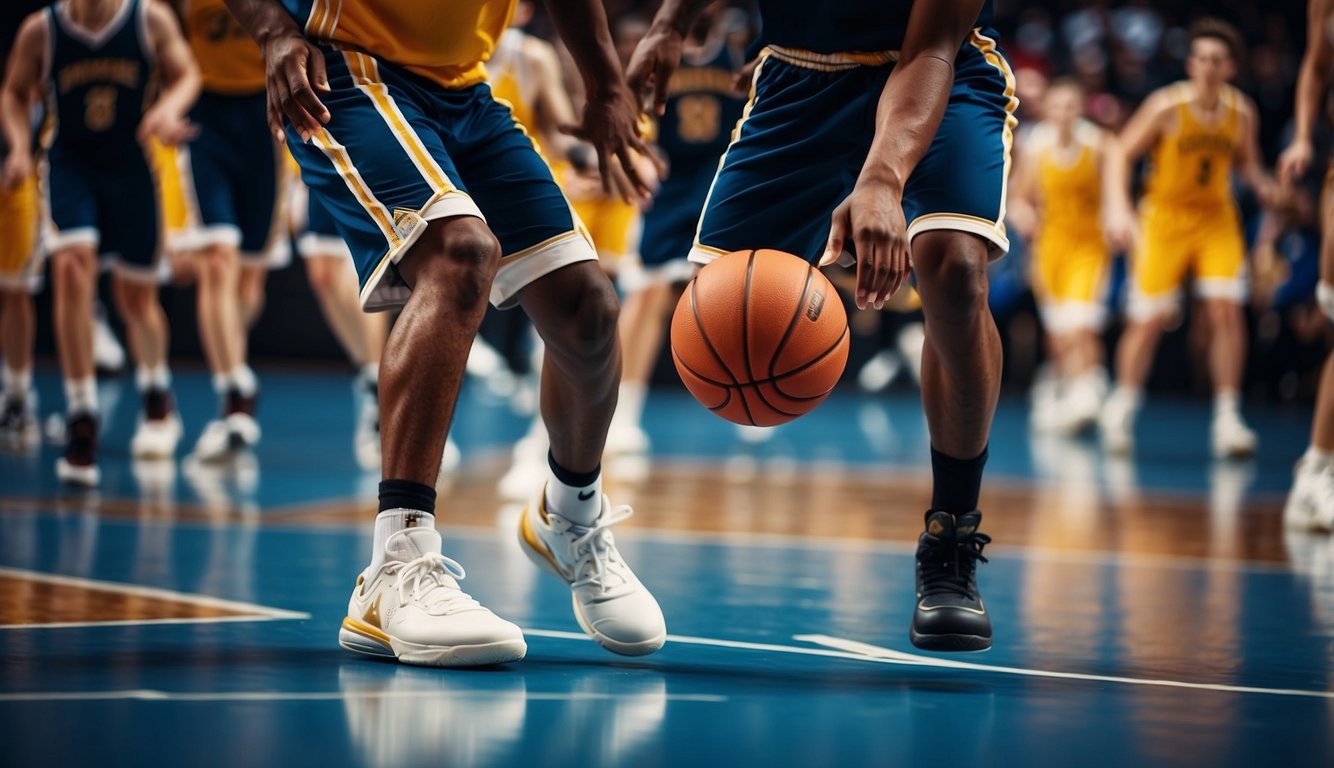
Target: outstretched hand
{"points": [[294, 75], [651, 67], [872, 218], [611, 126]]}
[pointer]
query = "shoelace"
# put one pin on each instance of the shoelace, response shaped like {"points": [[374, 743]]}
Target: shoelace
{"points": [[592, 551], [949, 565], [428, 571]]}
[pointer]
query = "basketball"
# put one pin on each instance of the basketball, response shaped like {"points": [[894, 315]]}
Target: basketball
{"points": [[760, 337]]}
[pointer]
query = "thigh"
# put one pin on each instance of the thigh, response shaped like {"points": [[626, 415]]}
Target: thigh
{"points": [[794, 156], [960, 183], [514, 188], [1220, 261], [127, 214], [379, 168], [72, 202]]}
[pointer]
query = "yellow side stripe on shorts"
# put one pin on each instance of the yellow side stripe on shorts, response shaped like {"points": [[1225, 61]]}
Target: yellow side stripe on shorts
{"points": [[337, 155], [319, 13], [366, 74], [987, 47]]}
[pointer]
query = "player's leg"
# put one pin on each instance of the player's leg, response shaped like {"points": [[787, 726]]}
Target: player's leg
{"points": [[1157, 273], [379, 154], [20, 263], [550, 269], [1219, 281], [1084, 377], [129, 212]]}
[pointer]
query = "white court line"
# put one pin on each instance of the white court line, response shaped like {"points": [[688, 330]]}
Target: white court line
{"points": [[249, 611], [851, 649], [154, 695]]}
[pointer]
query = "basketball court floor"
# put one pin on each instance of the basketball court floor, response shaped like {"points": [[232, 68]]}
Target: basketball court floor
{"points": [[1146, 612]]}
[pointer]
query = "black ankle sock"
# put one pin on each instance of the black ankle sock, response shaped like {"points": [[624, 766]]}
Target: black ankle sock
{"points": [[573, 479], [957, 482], [405, 494]]}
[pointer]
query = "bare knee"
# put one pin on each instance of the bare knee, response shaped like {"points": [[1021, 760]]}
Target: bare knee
{"points": [[320, 274], [458, 255], [72, 270], [135, 301], [215, 265], [584, 323], [952, 272]]}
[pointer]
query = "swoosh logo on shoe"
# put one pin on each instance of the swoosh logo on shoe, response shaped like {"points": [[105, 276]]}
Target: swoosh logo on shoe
{"points": [[586, 495], [372, 614]]}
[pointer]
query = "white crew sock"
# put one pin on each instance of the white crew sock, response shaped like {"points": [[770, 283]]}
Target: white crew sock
{"points": [[629, 405], [580, 505], [243, 379], [1127, 397], [81, 396], [153, 377], [390, 522], [1226, 401], [17, 382], [1316, 458]]}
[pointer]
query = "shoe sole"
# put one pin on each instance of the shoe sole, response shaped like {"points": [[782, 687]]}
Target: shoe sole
{"points": [[949, 643], [357, 639], [79, 477], [641, 648]]}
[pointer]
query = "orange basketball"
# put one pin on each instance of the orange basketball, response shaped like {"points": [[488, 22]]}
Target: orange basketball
{"points": [[760, 337]]}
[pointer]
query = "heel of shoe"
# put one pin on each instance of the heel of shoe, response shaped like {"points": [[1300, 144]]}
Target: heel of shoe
{"points": [[357, 639]]}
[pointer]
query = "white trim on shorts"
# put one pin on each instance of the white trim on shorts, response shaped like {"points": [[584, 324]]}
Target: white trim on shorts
{"points": [[312, 245], [1069, 316], [379, 294], [521, 269], [61, 239]]}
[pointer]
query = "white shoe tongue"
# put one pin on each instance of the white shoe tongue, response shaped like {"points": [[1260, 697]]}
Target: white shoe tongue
{"points": [[412, 543]]}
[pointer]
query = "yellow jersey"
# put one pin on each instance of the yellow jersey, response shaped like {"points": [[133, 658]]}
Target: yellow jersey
{"points": [[229, 59], [446, 41], [1070, 189], [1192, 164], [512, 80]]}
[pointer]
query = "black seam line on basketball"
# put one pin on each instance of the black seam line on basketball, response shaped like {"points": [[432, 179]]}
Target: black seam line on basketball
{"points": [[791, 326], [745, 331], [806, 365], [726, 387], [704, 334]]}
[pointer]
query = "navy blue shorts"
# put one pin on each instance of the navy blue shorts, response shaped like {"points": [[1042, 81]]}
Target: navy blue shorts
{"points": [[669, 225], [400, 151], [805, 135], [234, 178], [112, 207], [320, 237]]}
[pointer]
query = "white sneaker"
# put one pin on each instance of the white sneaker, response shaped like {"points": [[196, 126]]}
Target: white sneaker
{"points": [[1232, 439], [245, 432], [412, 609], [366, 440], [1117, 425], [1081, 405], [626, 440], [1310, 505], [754, 435], [880, 371], [156, 438], [528, 466], [1044, 403], [610, 603], [451, 459], [215, 442], [18, 420]]}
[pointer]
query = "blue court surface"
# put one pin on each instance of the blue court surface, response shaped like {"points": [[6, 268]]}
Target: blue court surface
{"points": [[1147, 612]]}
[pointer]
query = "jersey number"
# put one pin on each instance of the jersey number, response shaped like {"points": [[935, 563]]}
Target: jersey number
{"points": [[1206, 170], [697, 118], [99, 108]]}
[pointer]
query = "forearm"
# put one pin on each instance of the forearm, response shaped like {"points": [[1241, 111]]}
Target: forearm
{"points": [[182, 91], [263, 19], [1311, 84], [582, 25], [909, 112], [15, 121], [1115, 176]]}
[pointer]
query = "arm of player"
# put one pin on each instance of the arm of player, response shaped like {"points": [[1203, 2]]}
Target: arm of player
{"points": [[1119, 228], [294, 68], [1137, 137], [23, 82], [1248, 157], [1312, 83], [1022, 211], [659, 54], [911, 107], [611, 115], [167, 118]]}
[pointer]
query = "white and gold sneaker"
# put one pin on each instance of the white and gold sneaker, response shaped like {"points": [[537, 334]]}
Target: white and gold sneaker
{"points": [[412, 609], [610, 603]]}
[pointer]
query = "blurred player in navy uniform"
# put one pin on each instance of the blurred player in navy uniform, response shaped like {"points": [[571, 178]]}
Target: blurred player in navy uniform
{"points": [[1311, 501], [96, 60], [896, 118], [701, 109]]}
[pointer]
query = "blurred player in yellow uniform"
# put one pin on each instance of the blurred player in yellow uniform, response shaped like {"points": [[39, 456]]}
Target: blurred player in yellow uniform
{"points": [[1311, 502], [20, 277], [1198, 131], [234, 177], [1057, 204]]}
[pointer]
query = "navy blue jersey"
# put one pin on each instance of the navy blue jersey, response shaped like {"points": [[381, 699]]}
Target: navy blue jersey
{"points": [[99, 83], [702, 108], [842, 26]]}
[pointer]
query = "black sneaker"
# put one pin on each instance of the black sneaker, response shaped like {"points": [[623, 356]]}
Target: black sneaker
{"points": [[79, 464], [158, 404], [950, 615], [234, 402]]}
